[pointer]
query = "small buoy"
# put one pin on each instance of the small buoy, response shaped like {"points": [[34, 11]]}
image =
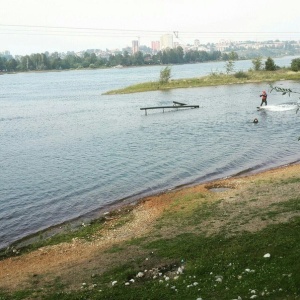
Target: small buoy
{"points": [[255, 121]]}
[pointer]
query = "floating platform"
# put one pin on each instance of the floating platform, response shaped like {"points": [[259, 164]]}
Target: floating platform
{"points": [[176, 105]]}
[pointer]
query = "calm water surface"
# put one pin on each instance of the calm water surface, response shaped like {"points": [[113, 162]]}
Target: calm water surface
{"points": [[66, 150]]}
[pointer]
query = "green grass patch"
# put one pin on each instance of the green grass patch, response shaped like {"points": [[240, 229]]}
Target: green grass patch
{"points": [[215, 268], [291, 180], [204, 211], [15, 296], [290, 206], [115, 249]]}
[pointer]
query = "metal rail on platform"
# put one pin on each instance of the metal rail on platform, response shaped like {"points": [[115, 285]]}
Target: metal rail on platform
{"points": [[176, 106]]}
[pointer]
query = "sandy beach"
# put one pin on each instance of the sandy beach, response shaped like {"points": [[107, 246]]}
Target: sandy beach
{"points": [[81, 258]]}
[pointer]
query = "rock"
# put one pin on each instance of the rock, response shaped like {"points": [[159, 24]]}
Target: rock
{"points": [[140, 274], [267, 255]]}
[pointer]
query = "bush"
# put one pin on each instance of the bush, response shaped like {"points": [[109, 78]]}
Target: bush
{"points": [[240, 74], [257, 63], [295, 65], [270, 65], [165, 75]]}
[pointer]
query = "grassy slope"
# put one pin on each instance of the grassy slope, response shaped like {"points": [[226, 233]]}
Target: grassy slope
{"points": [[211, 80], [220, 240]]}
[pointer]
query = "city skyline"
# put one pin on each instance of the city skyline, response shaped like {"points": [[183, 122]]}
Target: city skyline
{"points": [[166, 42], [37, 26]]}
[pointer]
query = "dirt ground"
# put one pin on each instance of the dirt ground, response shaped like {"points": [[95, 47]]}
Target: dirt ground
{"points": [[242, 201]]}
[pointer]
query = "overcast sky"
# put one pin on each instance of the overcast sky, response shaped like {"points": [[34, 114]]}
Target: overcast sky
{"points": [[27, 26]]}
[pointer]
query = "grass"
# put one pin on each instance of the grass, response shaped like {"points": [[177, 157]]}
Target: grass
{"points": [[276, 209], [211, 80], [214, 268]]}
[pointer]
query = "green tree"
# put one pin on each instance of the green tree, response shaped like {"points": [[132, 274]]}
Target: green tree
{"points": [[295, 65], [38, 61], [233, 55], [270, 64], [215, 55], [225, 56], [229, 66], [25, 64], [191, 56], [165, 57], [73, 61], [55, 61], [2, 64], [180, 54], [126, 61], [257, 63], [157, 58], [11, 65], [93, 58], [138, 58], [165, 75], [203, 56], [173, 58]]}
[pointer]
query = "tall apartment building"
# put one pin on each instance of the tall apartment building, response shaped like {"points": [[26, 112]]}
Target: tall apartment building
{"points": [[135, 47], [166, 41], [155, 45]]}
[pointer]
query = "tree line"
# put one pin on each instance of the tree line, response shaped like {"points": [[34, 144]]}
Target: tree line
{"points": [[46, 61]]}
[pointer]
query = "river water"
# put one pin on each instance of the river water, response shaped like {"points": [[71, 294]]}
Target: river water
{"points": [[67, 150]]}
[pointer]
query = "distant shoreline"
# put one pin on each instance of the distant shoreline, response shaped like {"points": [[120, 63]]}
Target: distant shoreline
{"points": [[121, 66]]}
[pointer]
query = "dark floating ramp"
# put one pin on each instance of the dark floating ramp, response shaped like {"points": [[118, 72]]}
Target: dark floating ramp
{"points": [[176, 105]]}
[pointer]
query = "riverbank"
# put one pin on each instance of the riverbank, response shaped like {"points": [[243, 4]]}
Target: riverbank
{"points": [[165, 232], [214, 79]]}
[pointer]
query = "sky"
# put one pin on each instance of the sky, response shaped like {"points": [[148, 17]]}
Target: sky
{"points": [[37, 26]]}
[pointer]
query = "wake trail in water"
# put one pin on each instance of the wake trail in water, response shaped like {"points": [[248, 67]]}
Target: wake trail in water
{"points": [[280, 107]]}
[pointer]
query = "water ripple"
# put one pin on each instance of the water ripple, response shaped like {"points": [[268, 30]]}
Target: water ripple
{"points": [[67, 151]]}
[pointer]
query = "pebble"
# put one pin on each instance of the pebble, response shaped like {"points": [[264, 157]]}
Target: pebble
{"points": [[140, 274]]}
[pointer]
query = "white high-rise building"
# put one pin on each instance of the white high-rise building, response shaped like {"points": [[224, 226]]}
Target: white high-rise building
{"points": [[166, 41], [135, 47]]}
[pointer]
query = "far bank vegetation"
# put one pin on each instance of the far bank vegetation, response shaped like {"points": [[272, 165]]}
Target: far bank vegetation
{"points": [[268, 72]]}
